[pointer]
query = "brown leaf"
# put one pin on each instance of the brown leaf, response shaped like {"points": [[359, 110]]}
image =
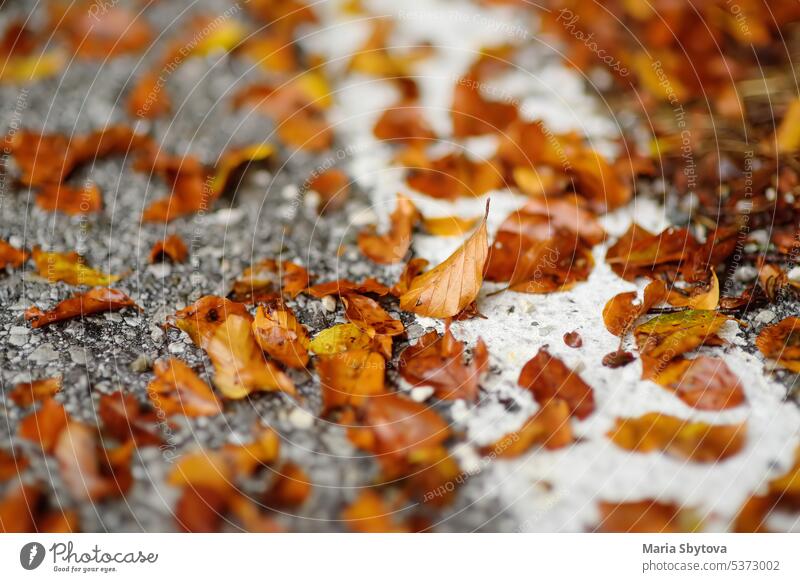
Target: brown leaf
{"points": [[573, 339], [70, 200], [263, 280], [548, 427], [548, 378], [11, 464], [781, 342], [239, 364], [44, 425], [345, 286], [26, 393], [290, 488], [11, 256], [665, 337], [97, 300], [413, 268], [202, 319], [447, 289], [620, 313], [404, 122], [171, 248], [176, 389], [472, 114], [369, 316], [648, 516], [368, 513], [694, 441], [392, 246], [704, 383], [439, 362], [333, 187], [350, 378], [704, 295], [278, 333], [125, 418]]}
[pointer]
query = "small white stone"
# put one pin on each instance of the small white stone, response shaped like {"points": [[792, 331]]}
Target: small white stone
{"points": [[176, 347], [290, 192], [44, 353], [78, 356], [301, 418], [329, 303], [794, 275], [227, 216], [421, 393], [364, 217], [459, 411], [765, 316], [18, 340], [160, 270], [19, 330], [468, 458], [746, 273]]}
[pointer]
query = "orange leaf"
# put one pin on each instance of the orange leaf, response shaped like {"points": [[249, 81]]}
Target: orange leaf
{"points": [[69, 200], [369, 316], [176, 389], [11, 256], [704, 383], [350, 378], [392, 246], [201, 319], [26, 393], [548, 427], [694, 441], [781, 342], [278, 333], [97, 300], [548, 378], [648, 516], [447, 289], [620, 313], [171, 248]]}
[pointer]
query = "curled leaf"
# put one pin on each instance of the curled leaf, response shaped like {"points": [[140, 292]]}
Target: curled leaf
{"points": [[97, 300], [392, 246], [447, 289], [781, 342], [620, 313], [278, 333], [548, 427], [368, 315], [350, 378], [201, 319], [176, 389], [704, 383], [548, 378], [171, 248]]}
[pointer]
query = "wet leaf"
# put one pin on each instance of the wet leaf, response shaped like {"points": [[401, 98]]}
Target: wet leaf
{"points": [[694, 441], [70, 268], [392, 246], [278, 333], [97, 300], [548, 378], [781, 342], [448, 288], [239, 364], [439, 361], [176, 389]]}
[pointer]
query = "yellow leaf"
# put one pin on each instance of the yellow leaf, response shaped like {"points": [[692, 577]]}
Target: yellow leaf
{"points": [[447, 289], [69, 268], [339, 338], [23, 69], [449, 225]]}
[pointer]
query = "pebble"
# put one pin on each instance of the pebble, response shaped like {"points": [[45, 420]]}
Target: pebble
{"points": [[794, 275], [18, 340], [44, 354], [140, 364], [329, 303], [160, 270], [301, 418], [176, 347], [421, 393], [746, 273], [765, 316], [78, 356]]}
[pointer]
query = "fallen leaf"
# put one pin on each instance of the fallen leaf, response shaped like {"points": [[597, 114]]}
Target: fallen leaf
{"points": [[783, 493], [701, 296], [235, 161], [70, 268], [472, 114], [573, 339], [781, 342], [176, 389], [11, 464], [26, 393], [239, 364], [171, 248], [350, 378], [345, 286], [621, 312], [333, 187], [704, 383], [392, 246], [449, 225], [694, 441], [263, 280], [96, 300], [368, 315], [548, 427], [447, 289], [125, 418], [403, 122], [11, 256], [647, 516], [348, 336], [69, 200], [439, 362], [368, 513], [548, 378], [278, 333], [290, 488], [44, 425], [202, 319]]}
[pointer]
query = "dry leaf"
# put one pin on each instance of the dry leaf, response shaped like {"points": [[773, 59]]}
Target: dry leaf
{"points": [[290, 488], [781, 342], [548, 378], [70, 268], [369, 316], [350, 378], [704, 383], [26, 393], [278, 333], [694, 441], [201, 319], [239, 364], [11, 256], [97, 300], [392, 246], [439, 362], [648, 516], [171, 248], [449, 225], [69, 200], [176, 389], [447, 289], [621, 312], [548, 427]]}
